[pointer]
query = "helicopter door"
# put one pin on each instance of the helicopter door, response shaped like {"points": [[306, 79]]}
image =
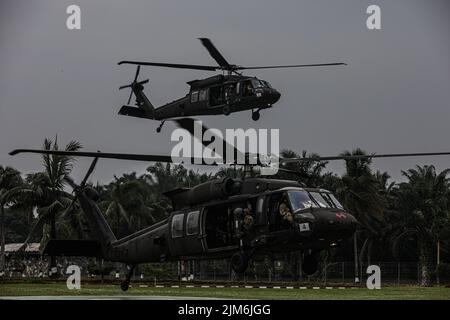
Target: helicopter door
{"points": [[230, 92], [247, 88], [216, 96], [219, 228], [273, 211], [261, 211]]}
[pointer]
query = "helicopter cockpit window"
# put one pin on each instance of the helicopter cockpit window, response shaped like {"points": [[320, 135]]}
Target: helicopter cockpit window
{"points": [[192, 223], [335, 201], [194, 96], [300, 200], [177, 225], [258, 83], [266, 83], [321, 201]]}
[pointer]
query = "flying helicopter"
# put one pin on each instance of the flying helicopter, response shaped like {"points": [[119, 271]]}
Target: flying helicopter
{"points": [[225, 93], [231, 218]]}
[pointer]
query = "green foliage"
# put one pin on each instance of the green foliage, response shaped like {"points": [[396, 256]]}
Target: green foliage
{"points": [[408, 217], [444, 272], [309, 173], [157, 270], [421, 212], [17, 226]]}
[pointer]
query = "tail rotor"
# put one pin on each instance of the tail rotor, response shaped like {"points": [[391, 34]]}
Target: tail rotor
{"points": [[134, 83], [79, 188]]}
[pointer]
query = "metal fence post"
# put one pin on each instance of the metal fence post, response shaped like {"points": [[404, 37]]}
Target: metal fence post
{"points": [[355, 253], [438, 262], [418, 273]]}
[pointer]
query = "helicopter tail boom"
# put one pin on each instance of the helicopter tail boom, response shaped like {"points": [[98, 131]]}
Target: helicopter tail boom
{"points": [[134, 112]]}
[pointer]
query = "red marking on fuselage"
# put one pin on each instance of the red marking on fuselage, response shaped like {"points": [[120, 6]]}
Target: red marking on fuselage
{"points": [[341, 215]]}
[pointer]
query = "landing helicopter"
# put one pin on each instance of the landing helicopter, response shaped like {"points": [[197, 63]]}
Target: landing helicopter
{"points": [[231, 218], [224, 93]]}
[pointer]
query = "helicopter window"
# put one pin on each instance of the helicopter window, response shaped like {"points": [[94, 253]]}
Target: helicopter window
{"points": [[320, 200], [230, 90], [202, 95], [258, 83], [194, 96], [192, 223], [177, 225], [266, 84], [335, 201], [300, 200], [248, 88]]}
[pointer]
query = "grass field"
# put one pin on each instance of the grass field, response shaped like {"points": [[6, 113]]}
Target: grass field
{"points": [[386, 293]]}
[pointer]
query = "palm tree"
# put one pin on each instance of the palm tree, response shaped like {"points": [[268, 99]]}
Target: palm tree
{"points": [[360, 193], [310, 173], [10, 180], [230, 172], [423, 209], [126, 204], [45, 190], [164, 177]]}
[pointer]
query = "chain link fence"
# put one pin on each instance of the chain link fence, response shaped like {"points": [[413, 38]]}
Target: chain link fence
{"points": [[220, 271]]}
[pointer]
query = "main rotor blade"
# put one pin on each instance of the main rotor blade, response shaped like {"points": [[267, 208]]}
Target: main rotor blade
{"points": [[358, 157], [69, 208], [290, 171], [214, 52], [138, 69], [188, 125], [89, 172], [70, 181], [120, 156], [172, 65], [293, 66], [129, 98]]}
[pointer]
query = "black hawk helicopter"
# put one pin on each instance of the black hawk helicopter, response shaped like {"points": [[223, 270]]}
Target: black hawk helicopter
{"points": [[220, 94], [235, 218]]}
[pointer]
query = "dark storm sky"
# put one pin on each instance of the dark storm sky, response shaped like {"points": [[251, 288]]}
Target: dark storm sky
{"points": [[393, 97]]}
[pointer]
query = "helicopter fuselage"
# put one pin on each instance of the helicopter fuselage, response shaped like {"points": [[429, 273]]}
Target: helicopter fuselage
{"points": [[220, 94], [249, 222]]}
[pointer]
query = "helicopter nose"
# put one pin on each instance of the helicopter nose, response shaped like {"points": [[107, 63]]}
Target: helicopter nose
{"points": [[336, 224], [275, 95]]}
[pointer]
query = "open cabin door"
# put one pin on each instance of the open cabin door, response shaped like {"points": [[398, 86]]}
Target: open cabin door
{"points": [[220, 230]]}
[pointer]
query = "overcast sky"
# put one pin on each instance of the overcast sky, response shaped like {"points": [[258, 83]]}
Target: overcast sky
{"points": [[392, 97]]}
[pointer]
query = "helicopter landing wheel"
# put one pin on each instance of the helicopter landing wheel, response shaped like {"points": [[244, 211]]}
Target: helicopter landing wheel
{"points": [[226, 110], [124, 285], [160, 126], [310, 263], [255, 115], [239, 262]]}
